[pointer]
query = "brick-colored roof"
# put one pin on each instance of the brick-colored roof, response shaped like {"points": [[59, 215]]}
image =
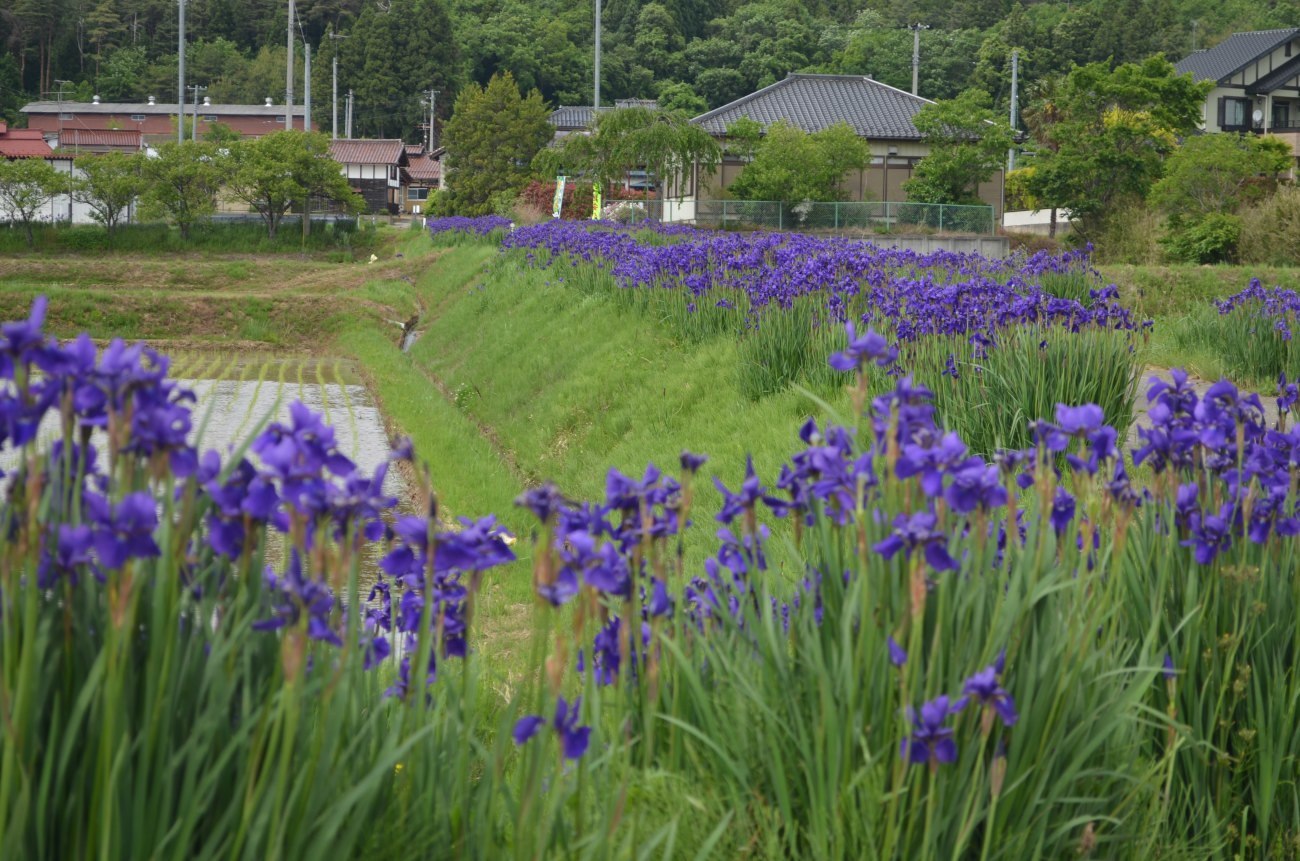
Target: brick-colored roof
{"points": [[1233, 54], [424, 169], [120, 139], [815, 102], [158, 108], [23, 143], [367, 151]]}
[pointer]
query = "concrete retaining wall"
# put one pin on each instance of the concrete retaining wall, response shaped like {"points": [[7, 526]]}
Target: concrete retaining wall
{"points": [[987, 246]]}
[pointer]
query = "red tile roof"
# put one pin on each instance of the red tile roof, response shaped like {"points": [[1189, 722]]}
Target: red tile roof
{"points": [[23, 143], [102, 138], [424, 169], [368, 151]]}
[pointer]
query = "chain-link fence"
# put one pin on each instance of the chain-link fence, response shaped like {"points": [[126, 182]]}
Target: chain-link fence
{"points": [[866, 216]]}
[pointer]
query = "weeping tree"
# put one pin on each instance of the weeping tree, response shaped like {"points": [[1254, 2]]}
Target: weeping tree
{"points": [[663, 143]]}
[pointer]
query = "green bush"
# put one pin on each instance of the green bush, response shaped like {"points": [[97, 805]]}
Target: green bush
{"points": [[1211, 239], [1270, 230]]}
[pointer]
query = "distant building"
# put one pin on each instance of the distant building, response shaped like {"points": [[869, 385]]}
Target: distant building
{"points": [[374, 170], [880, 114], [94, 141], [23, 143], [568, 119], [154, 120], [424, 176], [1256, 78]]}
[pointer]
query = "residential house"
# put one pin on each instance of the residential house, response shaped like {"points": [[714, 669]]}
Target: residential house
{"points": [[96, 141], [1256, 80], [879, 113], [569, 119], [424, 176], [155, 120], [30, 143], [374, 169]]}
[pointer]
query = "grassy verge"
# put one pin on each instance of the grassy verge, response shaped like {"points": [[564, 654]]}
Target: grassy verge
{"points": [[1179, 298], [343, 239]]}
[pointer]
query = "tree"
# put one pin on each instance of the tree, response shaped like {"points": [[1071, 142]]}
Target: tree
{"points": [[182, 181], [968, 143], [393, 51], [1218, 173], [275, 171], [26, 185], [108, 185], [681, 98], [790, 165], [665, 144], [491, 139], [1104, 136]]}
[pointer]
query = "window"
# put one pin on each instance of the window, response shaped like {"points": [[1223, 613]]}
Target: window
{"points": [[65, 116], [417, 193], [209, 118], [1234, 114], [1288, 49], [1281, 115], [280, 118], [137, 118]]}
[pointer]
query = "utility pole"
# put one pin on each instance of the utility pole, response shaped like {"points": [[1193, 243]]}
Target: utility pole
{"points": [[306, 86], [62, 84], [432, 140], [194, 130], [596, 89], [1015, 91], [334, 133], [348, 130], [180, 76], [916, 55], [288, 73]]}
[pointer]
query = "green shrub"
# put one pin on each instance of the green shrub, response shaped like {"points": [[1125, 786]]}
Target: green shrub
{"points": [[1211, 239], [1270, 230]]}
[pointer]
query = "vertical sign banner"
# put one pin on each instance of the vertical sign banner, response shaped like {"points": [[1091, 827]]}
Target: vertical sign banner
{"points": [[596, 202], [559, 196]]}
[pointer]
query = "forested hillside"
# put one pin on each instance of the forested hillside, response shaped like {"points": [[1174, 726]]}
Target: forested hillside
{"points": [[691, 54]]}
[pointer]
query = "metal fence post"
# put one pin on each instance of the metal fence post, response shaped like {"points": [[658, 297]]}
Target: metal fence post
{"points": [[941, 208], [780, 216], [723, 223], [837, 215]]}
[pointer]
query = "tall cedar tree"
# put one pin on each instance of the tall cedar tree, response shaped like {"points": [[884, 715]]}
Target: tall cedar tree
{"points": [[492, 137], [391, 58]]}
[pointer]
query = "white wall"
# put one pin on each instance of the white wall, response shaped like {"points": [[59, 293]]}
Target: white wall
{"points": [[62, 207]]}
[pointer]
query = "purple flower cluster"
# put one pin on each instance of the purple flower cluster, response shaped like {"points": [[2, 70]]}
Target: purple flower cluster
{"points": [[104, 513], [910, 294], [931, 740], [481, 226], [1276, 306]]}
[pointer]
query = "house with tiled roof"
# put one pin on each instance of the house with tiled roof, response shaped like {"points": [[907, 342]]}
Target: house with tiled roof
{"points": [[23, 143], [157, 120], [374, 169], [568, 119], [882, 115], [1256, 78], [423, 174]]}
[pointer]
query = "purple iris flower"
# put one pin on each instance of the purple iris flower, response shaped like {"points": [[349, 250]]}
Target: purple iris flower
{"points": [[691, 463], [1169, 672], [897, 655], [930, 741], [870, 347], [918, 531], [123, 530], [573, 738], [1211, 533], [544, 501], [984, 689]]}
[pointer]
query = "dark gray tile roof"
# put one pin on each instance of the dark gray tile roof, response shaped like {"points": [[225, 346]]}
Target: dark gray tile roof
{"points": [[579, 116], [1232, 54], [814, 102]]}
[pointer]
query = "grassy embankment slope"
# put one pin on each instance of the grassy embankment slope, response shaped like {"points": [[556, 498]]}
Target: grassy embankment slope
{"points": [[1179, 298]]}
